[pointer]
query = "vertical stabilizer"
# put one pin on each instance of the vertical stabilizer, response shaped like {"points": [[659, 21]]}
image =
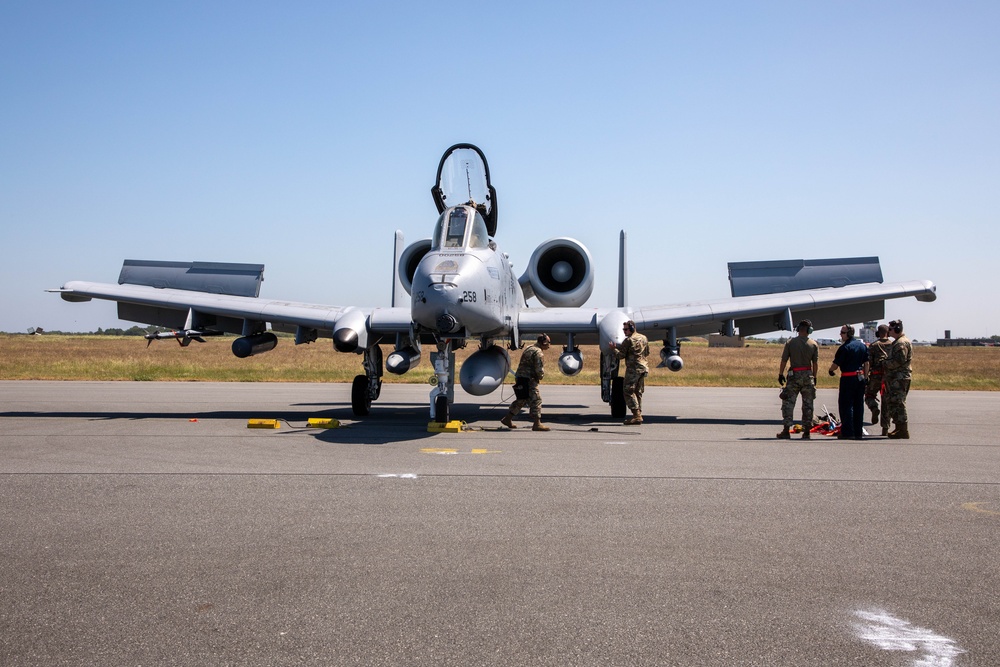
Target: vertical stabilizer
{"points": [[398, 293], [622, 272]]}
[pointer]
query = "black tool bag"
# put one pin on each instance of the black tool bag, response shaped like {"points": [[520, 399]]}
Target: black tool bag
{"points": [[521, 388]]}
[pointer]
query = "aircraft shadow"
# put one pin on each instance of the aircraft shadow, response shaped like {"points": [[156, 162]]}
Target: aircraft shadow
{"points": [[395, 422]]}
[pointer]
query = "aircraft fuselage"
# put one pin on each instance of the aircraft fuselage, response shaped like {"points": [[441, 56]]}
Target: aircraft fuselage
{"points": [[464, 286]]}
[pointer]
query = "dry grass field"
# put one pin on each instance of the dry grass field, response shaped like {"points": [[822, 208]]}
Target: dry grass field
{"points": [[67, 357]]}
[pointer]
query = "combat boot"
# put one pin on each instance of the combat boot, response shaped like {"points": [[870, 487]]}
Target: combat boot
{"points": [[875, 414], [634, 420], [507, 422], [539, 426], [885, 431], [785, 434], [805, 434], [901, 433]]}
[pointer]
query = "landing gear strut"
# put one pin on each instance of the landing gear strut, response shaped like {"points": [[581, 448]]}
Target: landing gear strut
{"points": [[442, 395], [367, 387]]}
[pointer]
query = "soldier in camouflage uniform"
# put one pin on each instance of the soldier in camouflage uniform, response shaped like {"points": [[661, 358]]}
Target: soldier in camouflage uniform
{"points": [[530, 372], [878, 352], [897, 379], [803, 353], [634, 350]]}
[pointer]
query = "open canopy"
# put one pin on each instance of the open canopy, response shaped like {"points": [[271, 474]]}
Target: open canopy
{"points": [[463, 177]]}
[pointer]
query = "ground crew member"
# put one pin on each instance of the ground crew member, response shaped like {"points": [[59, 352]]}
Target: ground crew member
{"points": [[803, 353], [897, 379], [852, 360], [634, 350], [878, 352], [530, 372]]}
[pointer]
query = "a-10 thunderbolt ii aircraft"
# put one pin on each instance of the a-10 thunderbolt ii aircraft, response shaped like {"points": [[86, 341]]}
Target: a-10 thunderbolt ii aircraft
{"points": [[462, 290]]}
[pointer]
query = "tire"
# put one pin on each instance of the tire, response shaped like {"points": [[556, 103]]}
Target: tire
{"points": [[441, 409], [618, 407], [360, 403]]}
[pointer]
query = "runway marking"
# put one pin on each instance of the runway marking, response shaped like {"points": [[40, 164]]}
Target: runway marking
{"points": [[975, 507], [445, 451], [616, 442], [406, 475], [890, 633]]}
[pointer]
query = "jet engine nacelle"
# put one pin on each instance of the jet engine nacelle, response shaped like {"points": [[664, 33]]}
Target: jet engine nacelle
{"points": [[484, 370], [671, 361], [402, 359], [409, 259], [571, 362], [247, 346], [559, 274]]}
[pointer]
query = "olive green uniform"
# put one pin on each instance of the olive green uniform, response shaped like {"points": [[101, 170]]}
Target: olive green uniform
{"points": [[532, 369], [878, 352], [803, 354], [897, 379], [635, 351]]}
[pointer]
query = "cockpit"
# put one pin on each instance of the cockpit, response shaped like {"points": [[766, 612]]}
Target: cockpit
{"points": [[463, 179], [461, 227]]}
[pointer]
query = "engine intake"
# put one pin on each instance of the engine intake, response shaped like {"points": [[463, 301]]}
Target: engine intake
{"points": [[559, 274], [409, 259]]}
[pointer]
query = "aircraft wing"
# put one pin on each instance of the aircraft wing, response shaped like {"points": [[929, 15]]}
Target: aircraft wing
{"points": [[763, 313], [173, 308], [755, 314]]}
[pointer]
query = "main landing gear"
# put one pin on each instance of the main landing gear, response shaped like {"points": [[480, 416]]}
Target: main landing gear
{"points": [[612, 386], [367, 387]]}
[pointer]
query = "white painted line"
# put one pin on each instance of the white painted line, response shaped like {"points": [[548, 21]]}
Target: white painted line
{"points": [[408, 475], [895, 634]]}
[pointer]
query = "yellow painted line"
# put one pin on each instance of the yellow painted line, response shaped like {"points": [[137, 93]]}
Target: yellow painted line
{"points": [[975, 507], [443, 450]]}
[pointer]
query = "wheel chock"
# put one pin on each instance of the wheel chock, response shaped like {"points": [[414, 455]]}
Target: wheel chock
{"points": [[263, 423], [321, 422], [453, 426]]}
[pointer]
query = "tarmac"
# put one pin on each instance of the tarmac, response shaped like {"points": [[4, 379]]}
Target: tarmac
{"points": [[145, 524]]}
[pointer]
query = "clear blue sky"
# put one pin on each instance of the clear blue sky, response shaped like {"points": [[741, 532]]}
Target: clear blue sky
{"points": [[302, 135]]}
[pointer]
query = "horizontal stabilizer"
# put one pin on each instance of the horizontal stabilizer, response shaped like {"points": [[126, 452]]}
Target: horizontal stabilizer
{"points": [[210, 277], [753, 278]]}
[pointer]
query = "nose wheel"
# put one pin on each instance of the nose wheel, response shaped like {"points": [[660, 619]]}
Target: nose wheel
{"points": [[443, 381], [441, 409]]}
